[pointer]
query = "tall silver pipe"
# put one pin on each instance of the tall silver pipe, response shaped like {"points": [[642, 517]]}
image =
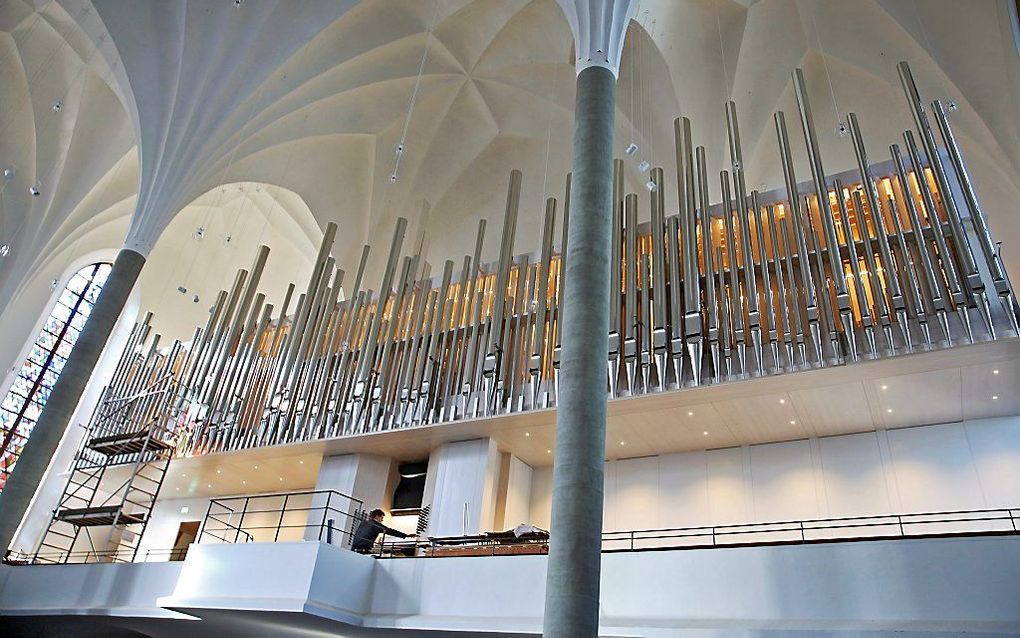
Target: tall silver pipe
{"points": [[824, 208], [952, 277], [711, 306], [386, 287], [807, 285], [897, 304]]}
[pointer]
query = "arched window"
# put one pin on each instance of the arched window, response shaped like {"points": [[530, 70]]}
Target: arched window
{"points": [[25, 400]]}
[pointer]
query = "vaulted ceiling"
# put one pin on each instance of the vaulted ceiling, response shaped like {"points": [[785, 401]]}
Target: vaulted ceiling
{"points": [[161, 103]]}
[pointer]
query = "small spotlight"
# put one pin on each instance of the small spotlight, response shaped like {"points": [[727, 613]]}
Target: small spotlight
{"points": [[705, 433], [281, 478], [548, 451], [393, 178], [623, 443], [631, 149], [219, 472], [9, 172], [889, 410], [184, 510], [885, 387], [995, 372], [689, 413], [782, 400], [54, 283], [301, 462], [34, 189], [56, 106], [182, 290], [995, 397], [527, 434], [651, 186], [644, 166], [208, 484], [793, 422]]}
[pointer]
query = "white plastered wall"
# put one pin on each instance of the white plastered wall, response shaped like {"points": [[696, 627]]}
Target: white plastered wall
{"points": [[462, 487], [953, 466]]}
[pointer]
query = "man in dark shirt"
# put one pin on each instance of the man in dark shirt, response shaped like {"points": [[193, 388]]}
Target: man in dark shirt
{"points": [[369, 530]]}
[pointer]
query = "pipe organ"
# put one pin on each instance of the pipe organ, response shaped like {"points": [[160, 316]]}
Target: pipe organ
{"points": [[889, 259]]}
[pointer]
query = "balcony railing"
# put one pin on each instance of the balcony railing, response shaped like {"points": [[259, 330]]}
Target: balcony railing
{"points": [[330, 517], [323, 515], [824, 530]]}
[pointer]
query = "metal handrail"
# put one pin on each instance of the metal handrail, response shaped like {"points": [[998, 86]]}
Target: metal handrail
{"points": [[249, 506], [901, 522]]}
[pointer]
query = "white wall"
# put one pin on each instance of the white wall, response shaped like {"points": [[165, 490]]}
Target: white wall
{"points": [[954, 466], [518, 493], [462, 477]]}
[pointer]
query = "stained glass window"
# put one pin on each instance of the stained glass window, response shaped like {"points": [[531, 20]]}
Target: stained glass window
{"points": [[24, 402]]}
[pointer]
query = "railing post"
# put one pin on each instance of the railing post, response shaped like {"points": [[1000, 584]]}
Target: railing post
{"points": [[240, 521], [325, 513], [802, 539], [329, 531], [205, 520], [632, 540], [899, 519], [283, 511]]}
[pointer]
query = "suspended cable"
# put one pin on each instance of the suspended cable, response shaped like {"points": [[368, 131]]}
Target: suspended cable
{"points": [[841, 127], [399, 151]]}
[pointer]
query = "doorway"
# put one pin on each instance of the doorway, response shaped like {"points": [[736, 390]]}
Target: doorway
{"points": [[186, 534]]}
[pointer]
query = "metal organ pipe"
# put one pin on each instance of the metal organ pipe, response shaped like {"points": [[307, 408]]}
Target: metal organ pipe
{"points": [[487, 342]]}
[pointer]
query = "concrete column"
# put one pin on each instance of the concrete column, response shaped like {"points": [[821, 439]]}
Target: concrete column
{"points": [[572, 581], [70, 386]]}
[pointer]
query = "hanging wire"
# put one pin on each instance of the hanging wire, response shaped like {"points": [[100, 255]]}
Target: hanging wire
{"points": [[414, 92], [841, 126], [727, 91], [934, 56], [548, 138]]}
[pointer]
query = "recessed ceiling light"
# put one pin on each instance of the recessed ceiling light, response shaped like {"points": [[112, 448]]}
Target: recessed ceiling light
{"points": [[208, 484], [888, 409], [705, 433], [244, 482], [218, 472], [178, 489], [995, 397], [256, 467], [184, 476], [885, 387], [995, 372], [782, 400], [184, 510], [281, 478], [301, 462], [793, 422], [689, 413], [623, 443], [548, 451], [527, 434]]}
